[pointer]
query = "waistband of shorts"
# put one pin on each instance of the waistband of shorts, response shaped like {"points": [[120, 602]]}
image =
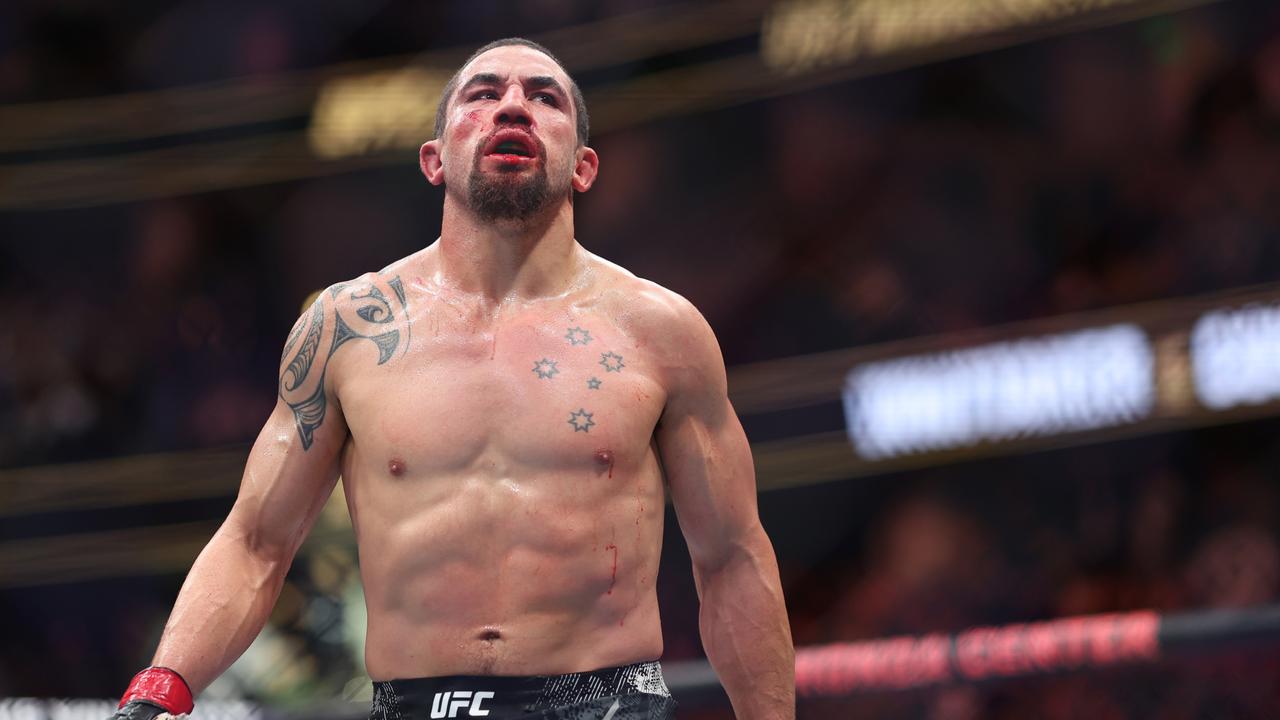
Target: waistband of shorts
{"points": [[464, 695]]}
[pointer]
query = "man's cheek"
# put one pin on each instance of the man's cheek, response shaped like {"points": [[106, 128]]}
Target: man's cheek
{"points": [[466, 123]]}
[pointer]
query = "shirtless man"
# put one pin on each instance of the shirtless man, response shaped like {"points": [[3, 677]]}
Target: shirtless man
{"points": [[507, 412]]}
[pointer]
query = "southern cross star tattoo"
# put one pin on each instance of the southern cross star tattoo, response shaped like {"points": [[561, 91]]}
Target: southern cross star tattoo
{"points": [[593, 383], [581, 421], [578, 336], [546, 369], [612, 362]]}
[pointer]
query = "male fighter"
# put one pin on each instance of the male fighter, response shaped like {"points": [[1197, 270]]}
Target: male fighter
{"points": [[507, 412]]}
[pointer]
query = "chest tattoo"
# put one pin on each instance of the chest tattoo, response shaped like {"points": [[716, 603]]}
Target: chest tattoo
{"points": [[580, 419]]}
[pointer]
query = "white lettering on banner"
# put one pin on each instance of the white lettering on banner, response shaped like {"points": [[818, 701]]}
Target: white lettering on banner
{"points": [[1235, 356], [1093, 378]]}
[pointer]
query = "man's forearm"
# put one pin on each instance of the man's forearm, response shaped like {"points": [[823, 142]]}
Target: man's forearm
{"points": [[225, 601], [744, 627]]}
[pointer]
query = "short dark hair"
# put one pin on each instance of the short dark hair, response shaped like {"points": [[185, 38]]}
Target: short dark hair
{"points": [[579, 103]]}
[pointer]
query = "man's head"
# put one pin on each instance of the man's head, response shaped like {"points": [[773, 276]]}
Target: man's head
{"points": [[451, 87], [511, 133]]}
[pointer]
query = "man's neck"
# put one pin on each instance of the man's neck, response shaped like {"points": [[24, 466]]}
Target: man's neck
{"points": [[503, 260]]}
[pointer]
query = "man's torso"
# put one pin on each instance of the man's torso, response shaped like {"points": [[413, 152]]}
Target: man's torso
{"points": [[502, 477]]}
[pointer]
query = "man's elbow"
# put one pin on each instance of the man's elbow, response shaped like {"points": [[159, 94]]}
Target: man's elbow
{"points": [[271, 549], [750, 549]]}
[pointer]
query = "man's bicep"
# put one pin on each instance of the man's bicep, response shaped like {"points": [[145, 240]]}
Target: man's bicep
{"points": [[712, 481], [707, 458], [294, 462], [284, 484]]}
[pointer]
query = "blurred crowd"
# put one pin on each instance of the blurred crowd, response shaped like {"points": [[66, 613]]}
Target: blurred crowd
{"points": [[1178, 523], [1116, 166]]}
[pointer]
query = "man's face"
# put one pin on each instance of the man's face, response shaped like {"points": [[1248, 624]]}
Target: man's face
{"points": [[510, 141]]}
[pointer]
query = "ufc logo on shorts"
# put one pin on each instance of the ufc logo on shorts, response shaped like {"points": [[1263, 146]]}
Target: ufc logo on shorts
{"points": [[447, 704]]}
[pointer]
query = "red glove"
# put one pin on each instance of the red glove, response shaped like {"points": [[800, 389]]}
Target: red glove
{"points": [[153, 692]]}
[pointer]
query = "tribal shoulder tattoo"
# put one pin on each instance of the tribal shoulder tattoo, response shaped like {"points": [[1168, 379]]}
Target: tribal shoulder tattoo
{"points": [[372, 308]]}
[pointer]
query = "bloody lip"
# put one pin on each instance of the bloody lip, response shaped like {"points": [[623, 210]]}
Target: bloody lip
{"points": [[511, 136], [511, 159]]}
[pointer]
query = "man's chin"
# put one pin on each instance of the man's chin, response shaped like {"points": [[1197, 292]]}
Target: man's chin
{"points": [[508, 197], [509, 208]]}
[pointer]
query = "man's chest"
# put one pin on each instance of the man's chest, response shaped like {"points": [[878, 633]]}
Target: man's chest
{"points": [[550, 391]]}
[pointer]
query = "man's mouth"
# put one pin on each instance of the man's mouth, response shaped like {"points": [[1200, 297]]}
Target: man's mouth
{"points": [[511, 146]]}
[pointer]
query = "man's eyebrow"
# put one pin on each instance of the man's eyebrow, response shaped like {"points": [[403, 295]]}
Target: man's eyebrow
{"points": [[544, 81], [480, 79]]}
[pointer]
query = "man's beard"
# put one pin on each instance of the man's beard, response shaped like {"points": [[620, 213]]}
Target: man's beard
{"points": [[508, 195]]}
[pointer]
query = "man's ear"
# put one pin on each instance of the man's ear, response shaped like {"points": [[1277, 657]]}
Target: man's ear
{"points": [[584, 172], [430, 162]]}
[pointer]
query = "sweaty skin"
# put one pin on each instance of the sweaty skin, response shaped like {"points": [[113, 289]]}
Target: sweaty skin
{"points": [[522, 535], [508, 413]]}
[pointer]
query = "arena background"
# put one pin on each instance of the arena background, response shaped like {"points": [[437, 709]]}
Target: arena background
{"points": [[994, 281]]}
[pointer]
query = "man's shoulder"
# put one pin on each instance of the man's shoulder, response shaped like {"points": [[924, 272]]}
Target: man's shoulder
{"points": [[646, 305], [665, 321], [379, 289], [371, 306]]}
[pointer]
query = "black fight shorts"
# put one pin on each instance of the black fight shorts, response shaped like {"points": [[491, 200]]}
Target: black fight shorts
{"points": [[633, 692]]}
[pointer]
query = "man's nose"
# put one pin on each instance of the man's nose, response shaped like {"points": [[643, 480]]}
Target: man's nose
{"points": [[512, 109]]}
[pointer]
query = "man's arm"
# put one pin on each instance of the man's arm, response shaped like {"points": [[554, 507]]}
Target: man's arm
{"points": [[708, 464], [234, 583]]}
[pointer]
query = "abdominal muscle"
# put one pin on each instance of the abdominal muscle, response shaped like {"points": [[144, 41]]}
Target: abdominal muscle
{"points": [[472, 574]]}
